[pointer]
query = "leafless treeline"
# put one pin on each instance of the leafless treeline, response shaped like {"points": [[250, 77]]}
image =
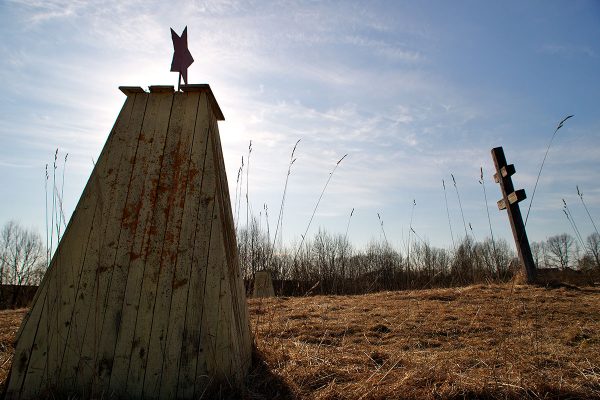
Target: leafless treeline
{"points": [[22, 261], [328, 263], [565, 251]]}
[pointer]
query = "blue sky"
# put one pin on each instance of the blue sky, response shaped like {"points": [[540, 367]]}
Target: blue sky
{"points": [[411, 91]]}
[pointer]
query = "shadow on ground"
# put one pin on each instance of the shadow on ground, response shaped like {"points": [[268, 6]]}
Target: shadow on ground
{"points": [[262, 383]]}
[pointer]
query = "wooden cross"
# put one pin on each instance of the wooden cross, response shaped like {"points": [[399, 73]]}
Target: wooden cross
{"points": [[510, 201]]}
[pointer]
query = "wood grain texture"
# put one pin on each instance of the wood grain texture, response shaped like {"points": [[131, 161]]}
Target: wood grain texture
{"points": [[143, 297]]}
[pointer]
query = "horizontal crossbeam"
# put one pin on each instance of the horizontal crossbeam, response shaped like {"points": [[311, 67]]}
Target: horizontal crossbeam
{"points": [[514, 197], [508, 170]]}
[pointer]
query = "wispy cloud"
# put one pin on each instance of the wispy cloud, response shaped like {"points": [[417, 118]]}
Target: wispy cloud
{"points": [[569, 50]]}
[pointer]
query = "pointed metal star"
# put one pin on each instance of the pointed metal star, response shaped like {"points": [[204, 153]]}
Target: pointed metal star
{"points": [[182, 58]]}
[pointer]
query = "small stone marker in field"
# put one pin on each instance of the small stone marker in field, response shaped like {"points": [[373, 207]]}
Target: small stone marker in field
{"points": [[263, 285], [510, 201], [144, 296]]}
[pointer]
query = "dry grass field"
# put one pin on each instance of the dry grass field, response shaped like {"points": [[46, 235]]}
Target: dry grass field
{"points": [[490, 342]]}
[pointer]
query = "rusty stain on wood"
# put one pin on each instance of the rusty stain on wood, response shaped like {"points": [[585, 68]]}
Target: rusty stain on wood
{"points": [[144, 295]]}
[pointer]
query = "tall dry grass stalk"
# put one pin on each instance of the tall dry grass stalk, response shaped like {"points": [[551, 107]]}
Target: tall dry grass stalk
{"points": [[279, 226], [472, 233], [266, 208], [460, 205], [236, 208], [47, 232], [387, 244], [247, 194], [448, 213], [487, 209], [560, 125], [572, 226], [569, 215], [61, 215], [239, 205], [410, 230], [57, 217], [580, 194], [53, 213], [317, 205], [423, 241], [348, 226]]}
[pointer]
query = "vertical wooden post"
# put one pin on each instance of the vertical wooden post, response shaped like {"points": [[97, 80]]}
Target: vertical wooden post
{"points": [[510, 202]]}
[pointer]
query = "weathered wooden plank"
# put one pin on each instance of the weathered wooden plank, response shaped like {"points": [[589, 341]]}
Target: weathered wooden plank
{"points": [[208, 366], [69, 266], [73, 341], [50, 342], [227, 346], [122, 168], [35, 375], [191, 345], [514, 215], [159, 234], [192, 349], [78, 365], [203, 87], [100, 183], [240, 311], [181, 278], [182, 126], [146, 159], [154, 129], [38, 339], [84, 215], [44, 350], [505, 171], [131, 90], [162, 89], [26, 349], [229, 333], [515, 197], [69, 258], [53, 299]]}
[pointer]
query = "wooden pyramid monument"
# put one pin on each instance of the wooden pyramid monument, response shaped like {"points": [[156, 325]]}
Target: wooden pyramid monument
{"points": [[143, 297], [263, 284]]}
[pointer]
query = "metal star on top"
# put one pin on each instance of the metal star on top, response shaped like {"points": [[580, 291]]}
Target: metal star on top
{"points": [[182, 58]]}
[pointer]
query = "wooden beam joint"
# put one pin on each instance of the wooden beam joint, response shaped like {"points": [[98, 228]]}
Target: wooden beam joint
{"points": [[506, 171], [515, 197]]}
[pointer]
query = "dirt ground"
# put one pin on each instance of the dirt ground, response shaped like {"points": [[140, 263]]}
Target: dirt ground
{"points": [[490, 342]]}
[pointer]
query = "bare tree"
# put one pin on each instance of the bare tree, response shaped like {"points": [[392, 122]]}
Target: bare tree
{"points": [[22, 257], [593, 248], [538, 251], [560, 250]]}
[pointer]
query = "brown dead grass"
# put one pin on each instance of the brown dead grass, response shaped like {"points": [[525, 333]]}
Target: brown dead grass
{"points": [[489, 342], [496, 342], [10, 320]]}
